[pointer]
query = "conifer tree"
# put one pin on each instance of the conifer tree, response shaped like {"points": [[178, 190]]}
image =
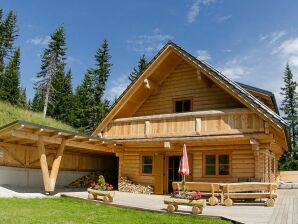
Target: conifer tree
{"points": [[136, 72], [37, 103], [11, 91], [84, 103], [100, 75], [289, 104], [61, 108], [53, 63], [8, 35]]}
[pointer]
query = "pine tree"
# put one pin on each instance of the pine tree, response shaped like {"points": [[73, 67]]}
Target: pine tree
{"points": [[289, 104], [83, 104], [101, 74], [37, 103], [90, 104], [23, 99], [53, 63], [8, 35], [11, 91], [136, 72], [62, 106]]}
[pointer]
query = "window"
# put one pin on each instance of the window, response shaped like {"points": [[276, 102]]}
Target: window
{"points": [[217, 164], [182, 106], [147, 162]]}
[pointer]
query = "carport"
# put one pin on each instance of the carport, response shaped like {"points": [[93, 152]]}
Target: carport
{"points": [[30, 145]]}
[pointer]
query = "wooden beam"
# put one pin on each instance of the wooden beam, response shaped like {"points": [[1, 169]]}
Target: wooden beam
{"points": [[11, 155], [56, 165], [44, 165], [58, 141], [152, 86], [167, 145]]}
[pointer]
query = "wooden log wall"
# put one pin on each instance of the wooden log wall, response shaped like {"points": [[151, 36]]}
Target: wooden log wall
{"points": [[17, 157], [130, 165], [183, 82]]}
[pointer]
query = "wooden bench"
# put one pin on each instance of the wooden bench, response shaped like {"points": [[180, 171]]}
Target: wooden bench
{"points": [[249, 190], [107, 196], [212, 191], [197, 205]]}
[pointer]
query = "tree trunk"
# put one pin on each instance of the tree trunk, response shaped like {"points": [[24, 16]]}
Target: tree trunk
{"points": [[46, 101]]}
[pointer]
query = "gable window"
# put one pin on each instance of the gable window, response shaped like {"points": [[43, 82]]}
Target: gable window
{"points": [[147, 164], [182, 105], [216, 164]]}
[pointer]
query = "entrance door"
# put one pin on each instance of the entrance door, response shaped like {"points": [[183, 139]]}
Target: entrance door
{"points": [[173, 167]]}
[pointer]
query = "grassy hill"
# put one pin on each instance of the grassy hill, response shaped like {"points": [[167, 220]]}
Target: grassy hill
{"points": [[9, 113]]}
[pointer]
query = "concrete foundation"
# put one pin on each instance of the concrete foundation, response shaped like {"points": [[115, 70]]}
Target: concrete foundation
{"points": [[25, 177]]}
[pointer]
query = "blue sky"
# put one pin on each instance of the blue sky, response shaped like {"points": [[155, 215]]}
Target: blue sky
{"points": [[249, 41]]}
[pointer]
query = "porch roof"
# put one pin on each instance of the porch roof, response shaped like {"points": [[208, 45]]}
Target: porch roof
{"points": [[26, 134]]}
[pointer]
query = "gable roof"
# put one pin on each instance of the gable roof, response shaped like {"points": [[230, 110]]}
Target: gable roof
{"points": [[235, 89], [262, 91]]}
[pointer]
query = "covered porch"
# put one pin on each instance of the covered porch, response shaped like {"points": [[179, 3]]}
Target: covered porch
{"points": [[27, 147]]}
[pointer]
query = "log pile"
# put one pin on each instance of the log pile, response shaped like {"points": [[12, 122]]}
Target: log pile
{"points": [[85, 181], [126, 185]]}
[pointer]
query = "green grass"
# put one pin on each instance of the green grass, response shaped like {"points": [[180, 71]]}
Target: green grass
{"points": [[65, 210], [9, 113]]}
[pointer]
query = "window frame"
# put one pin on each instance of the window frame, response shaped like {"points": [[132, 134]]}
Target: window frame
{"points": [[217, 154], [183, 99], [141, 165]]}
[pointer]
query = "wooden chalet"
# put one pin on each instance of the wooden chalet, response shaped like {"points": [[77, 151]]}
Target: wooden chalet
{"points": [[233, 132]]}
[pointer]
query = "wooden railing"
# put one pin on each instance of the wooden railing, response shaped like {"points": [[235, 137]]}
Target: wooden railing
{"points": [[213, 122]]}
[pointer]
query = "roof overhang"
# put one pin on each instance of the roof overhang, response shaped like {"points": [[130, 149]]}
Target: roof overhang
{"points": [[217, 77], [26, 134]]}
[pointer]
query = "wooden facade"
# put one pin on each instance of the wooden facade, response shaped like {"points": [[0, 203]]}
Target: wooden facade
{"points": [[232, 133]]}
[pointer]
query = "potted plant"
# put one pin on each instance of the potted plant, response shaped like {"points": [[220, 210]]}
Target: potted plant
{"points": [[101, 188]]}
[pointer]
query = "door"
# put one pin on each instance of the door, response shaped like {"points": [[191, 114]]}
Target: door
{"points": [[158, 171], [173, 167]]}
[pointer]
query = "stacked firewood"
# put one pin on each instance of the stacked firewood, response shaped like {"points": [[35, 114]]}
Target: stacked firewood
{"points": [[126, 185], [85, 181]]}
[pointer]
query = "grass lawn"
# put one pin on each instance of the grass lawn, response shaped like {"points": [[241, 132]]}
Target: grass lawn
{"points": [[65, 210], [9, 113]]}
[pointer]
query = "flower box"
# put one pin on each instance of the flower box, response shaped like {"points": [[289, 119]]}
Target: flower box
{"points": [[107, 196], [197, 205]]}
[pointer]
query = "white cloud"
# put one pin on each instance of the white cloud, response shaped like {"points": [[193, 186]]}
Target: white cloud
{"points": [[194, 9], [288, 52], [235, 68], [234, 72], [273, 37], [203, 55], [224, 18], [149, 44], [117, 87], [73, 60], [39, 40], [227, 50]]}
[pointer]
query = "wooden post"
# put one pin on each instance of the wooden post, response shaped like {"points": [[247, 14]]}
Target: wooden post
{"points": [[56, 165], [44, 164]]}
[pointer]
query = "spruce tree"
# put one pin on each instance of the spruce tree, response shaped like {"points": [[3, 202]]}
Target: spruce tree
{"points": [[8, 35], [83, 104], [53, 63], [136, 72], [11, 91], [61, 108], [100, 75], [289, 104], [37, 103]]}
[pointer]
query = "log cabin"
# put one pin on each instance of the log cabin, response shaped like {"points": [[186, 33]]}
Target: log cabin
{"points": [[233, 132]]}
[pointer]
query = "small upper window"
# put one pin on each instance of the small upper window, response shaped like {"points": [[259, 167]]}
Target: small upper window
{"points": [[147, 164], [182, 106]]}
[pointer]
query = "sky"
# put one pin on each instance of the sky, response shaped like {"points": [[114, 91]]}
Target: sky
{"points": [[249, 41]]}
